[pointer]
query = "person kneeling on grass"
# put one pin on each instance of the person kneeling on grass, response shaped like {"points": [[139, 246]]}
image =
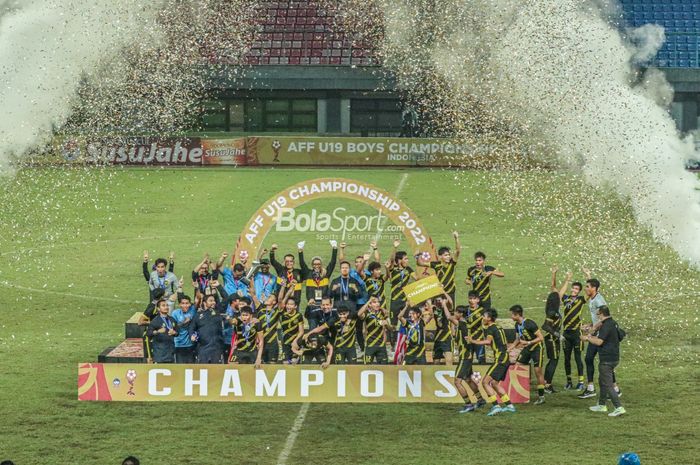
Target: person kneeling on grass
{"points": [[494, 336], [162, 330], [463, 373], [314, 349], [529, 337], [248, 343], [608, 349]]}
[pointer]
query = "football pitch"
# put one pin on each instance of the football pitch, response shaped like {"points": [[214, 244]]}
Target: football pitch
{"points": [[71, 244]]}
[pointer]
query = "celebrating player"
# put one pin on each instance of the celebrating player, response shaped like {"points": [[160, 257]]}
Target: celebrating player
{"points": [[376, 321], [496, 338], [316, 279], [464, 372], [529, 337], [479, 277], [248, 343]]}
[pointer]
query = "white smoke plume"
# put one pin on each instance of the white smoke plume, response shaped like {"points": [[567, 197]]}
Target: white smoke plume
{"points": [[46, 47], [560, 73]]}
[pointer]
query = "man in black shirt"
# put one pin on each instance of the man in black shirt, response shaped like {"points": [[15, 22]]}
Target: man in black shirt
{"points": [[207, 330], [346, 289], [162, 330], [608, 343], [287, 273]]}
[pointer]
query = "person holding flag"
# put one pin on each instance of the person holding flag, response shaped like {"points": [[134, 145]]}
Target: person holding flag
{"points": [[415, 335]]}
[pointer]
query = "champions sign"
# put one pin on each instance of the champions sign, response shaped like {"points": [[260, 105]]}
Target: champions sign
{"points": [[281, 209], [280, 383]]}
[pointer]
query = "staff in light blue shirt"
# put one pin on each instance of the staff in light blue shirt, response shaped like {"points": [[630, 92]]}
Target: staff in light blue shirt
{"points": [[184, 347]]}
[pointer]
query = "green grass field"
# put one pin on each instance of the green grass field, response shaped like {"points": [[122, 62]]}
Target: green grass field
{"points": [[71, 244]]}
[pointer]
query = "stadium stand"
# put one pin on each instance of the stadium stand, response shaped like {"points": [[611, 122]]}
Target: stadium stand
{"points": [[297, 32], [681, 22]]}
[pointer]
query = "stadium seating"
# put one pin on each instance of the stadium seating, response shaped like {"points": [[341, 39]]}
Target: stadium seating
{"points": [[299, 32], [681, 22]]}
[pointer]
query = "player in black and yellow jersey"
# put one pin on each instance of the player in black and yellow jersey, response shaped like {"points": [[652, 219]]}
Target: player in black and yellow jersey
{"points": [[442, 345], [463, 373], [571, 329], [445, 266], [292, 324], [376, 321], [269, 315], [479, 277], [474, 314], [551, 329], [415, 335], [375, 282], [529, 338], [249, 342], [343, 333], [399, 275], [316, 349], [496, 338]]}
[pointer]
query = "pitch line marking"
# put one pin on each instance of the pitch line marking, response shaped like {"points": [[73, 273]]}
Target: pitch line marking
{"points": [[293, 433], [67, 294]]}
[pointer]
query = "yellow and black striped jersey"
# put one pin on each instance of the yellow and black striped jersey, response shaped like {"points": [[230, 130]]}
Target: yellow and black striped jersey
{"points": [[375, 288], [415, 337], [463, 346], [446, 274], [290, 326], [399, 278], [375, 330], [270, 321], [480, 282], [443, 333], [474, 319], [572, 311], [344, 333], [527, 331], [246, 335], [499, 343]]}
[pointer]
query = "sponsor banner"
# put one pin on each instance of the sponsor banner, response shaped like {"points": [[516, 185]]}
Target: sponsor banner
{"points": [[359, 151], [280, 212], [224, 151], [423, 289], [151, 151], [282, 383]]}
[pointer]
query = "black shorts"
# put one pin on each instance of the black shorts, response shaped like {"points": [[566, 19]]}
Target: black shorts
{"points": [[572, 339], [344, 355], [414, 359], [244, 357], [464, 369], [395, 309], [497, 371], [532, 354], [288, 352], [553, 347], [210, 356], [376, 354], [271, 352], [442, 348]]}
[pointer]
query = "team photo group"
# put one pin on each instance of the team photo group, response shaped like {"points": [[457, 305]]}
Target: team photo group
{"points": [[245, 310]]}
